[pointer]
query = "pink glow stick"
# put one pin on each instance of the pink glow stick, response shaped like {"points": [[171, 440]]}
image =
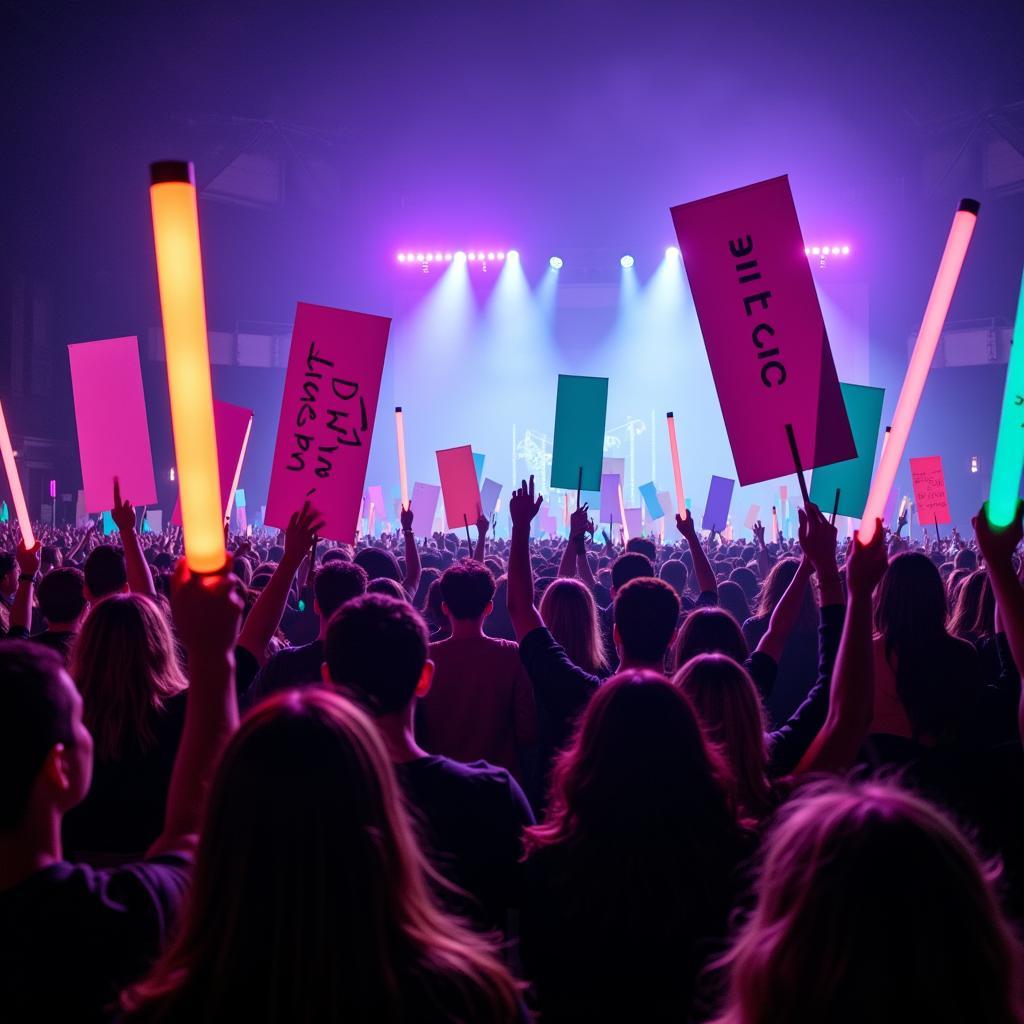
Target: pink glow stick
{"points": [[14, 482], [676, 470], [920, 362]]}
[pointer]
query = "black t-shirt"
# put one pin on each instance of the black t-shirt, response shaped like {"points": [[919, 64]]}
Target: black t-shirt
{"points": [[72, 937], [123, 812], [294, 666], [470, 819]]}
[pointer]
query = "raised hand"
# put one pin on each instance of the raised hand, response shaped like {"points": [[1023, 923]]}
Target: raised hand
{"points": [[406, 517], [867, 562], [817, 537], [482, 525], [524, 505], [123, 513], [758, 530], [29, 558], [998, 545], [579, 522], [207, 611], [686, 526], [303, 526]]}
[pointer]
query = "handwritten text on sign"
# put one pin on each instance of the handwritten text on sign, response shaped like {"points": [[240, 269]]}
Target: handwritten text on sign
{"points": [[763, 330], [930, 490], [327, 414]]}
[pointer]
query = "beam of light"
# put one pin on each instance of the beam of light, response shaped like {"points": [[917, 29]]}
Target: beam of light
{"points": [[14, 482], [1008, 463], [546, 296], [677, 472], [180, 275], [238, 470], [920, 362], [403, 473]]}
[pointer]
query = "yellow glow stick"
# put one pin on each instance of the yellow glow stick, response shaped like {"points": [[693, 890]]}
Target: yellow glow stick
{"points": [[676, 470], [403, 474], [179, 271], [14, 482], [920, 362]]}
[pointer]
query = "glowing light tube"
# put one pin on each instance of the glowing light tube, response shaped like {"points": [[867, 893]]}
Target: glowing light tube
{"points": [[1008, 463], [238, 471], [775, 525], [920, 362], [622, 514], [179, 270], [403, 473], [14, 482], [676, 470]]}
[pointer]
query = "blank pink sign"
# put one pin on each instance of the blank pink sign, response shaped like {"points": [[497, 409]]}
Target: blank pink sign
{"points": [[763, 330], [327, 413], [457, 470], [113, 431], [930, 490], [231, 423]]}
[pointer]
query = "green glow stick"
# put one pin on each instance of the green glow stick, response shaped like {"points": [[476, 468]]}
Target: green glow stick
{"points": [[1008, 463]]}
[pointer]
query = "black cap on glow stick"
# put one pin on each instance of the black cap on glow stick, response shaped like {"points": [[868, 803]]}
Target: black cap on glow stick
{"points": [[164, 171]]}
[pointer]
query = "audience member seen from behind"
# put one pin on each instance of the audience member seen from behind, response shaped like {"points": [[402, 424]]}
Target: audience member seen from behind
{"points": [[569, 611], [471, 815], [871, 906]]}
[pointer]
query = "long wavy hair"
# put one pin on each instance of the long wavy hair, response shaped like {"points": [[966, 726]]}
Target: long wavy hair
{"points": [[731, 712], [569, 611], [974, 612], [775, 583], [309, 900], [871, 906], [126, 665]]}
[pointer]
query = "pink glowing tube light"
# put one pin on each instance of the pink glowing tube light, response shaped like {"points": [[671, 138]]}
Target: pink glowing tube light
{"points": [[14, 482]]}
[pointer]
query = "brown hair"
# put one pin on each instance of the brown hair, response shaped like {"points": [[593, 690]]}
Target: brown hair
{"points": [[569, 611]]}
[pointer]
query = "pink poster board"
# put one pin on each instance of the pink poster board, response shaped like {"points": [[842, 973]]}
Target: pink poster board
{"points": [[763, 330], [424, 506], [113, 431], [751, 516], [331, 388], [457, 472], [609, 497], [930, 490], [231, 424]]}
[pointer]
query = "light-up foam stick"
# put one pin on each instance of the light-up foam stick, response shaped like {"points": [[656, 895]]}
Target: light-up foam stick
{"points": [[14, 482], [403, 473], [179, 271], [1008, 463], [676, 470], [920, 362]]}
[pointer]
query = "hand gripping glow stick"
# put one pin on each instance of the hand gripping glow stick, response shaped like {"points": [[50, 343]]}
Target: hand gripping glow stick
{"points": [[14, 482], [403, 473], [179, 271], [676, 471], [1008, 463], [920, 362]]}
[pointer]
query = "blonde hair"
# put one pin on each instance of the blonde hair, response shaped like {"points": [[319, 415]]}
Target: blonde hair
{"points": [[569, 611], [126, 665], [872, 906]]}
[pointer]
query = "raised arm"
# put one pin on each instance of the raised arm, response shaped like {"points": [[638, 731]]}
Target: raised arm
{"points": [[764, 563], [706, 582], [578, 523], [523, 506], [73, 554], [28, 568], [207, 611], [997, 547], [140, 579], [412, 553], [265, 615], [851, 702], [482, 523]]}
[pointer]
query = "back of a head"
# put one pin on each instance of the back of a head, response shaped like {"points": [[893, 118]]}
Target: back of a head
{"points": [[911, 600], [35, 715], [646, 613], [729, 707], [643, 546], [732, 599], [376, 648], [631, 566], [710, 631], [306, 847], [674, 573], [125, 664], [639, 770], [467, 588], [872, 906], [335, 583], [780, 575], [61, 595], [105, 572], [966, 559], [748, 582], [974, 612], [389, 588], [379, 564], [570, 613]]}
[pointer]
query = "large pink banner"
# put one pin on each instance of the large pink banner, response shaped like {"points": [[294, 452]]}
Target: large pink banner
{"points": [[113, 431], [930, 490], [231, 424], [327, 413], [763, 330], [457, 471]]}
